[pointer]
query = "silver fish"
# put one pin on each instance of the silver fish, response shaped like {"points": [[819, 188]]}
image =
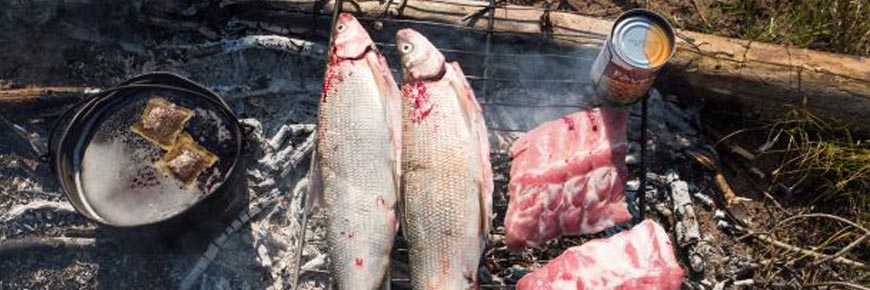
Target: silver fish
{"points": [[356, 164], [446, 172]]}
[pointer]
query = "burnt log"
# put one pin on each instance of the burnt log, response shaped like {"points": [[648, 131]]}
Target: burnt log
{"points": [[734, 77]]}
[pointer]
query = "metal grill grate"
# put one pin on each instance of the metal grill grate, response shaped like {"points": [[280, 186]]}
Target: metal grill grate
{"points": [[636, 205]]}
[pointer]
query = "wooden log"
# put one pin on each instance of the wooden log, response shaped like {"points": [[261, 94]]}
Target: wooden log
{"points": [[25, 98], [734, 77]]}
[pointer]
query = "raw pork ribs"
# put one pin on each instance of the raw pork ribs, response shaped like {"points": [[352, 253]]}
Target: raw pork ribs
{"points": [[567, 177], [641, 258]]}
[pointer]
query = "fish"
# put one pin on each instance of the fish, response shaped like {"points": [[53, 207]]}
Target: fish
{"points": [[446, 200], [355, 169]]}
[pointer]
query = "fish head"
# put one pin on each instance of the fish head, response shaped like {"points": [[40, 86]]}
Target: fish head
{"points": [[420, 58], [350, 39]]}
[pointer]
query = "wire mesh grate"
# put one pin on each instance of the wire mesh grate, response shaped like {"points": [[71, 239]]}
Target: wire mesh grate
{"points": [[488, 99]]}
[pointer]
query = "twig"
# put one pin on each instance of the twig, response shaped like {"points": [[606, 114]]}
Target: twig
{"points": [[175, 25], [43, 93], [730, 197], [711, 163], [301, 151], [824, 215], [844, 250], [688, 232], [271, 90], [33, 139], [701, 13], [294, 129], [15, 212], [836, 283], [771, 241], [274, 42], [29, 244]]}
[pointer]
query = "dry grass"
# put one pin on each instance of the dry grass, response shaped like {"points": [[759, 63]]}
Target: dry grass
{"points": [[840, 26], [821, 160], [830, 25], [821, 169]]}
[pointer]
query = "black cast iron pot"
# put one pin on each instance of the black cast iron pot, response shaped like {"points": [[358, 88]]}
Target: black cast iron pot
{"points": [[108, 173]]}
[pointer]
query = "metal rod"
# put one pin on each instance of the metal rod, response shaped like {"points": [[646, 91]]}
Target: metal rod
{"points": [[488, 48], [641, 191], [336, 11], [300, 244], [484, 78], [576, 36], [304, 196], [392, 46]]}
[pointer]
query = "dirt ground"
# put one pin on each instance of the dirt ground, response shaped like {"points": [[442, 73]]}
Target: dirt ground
{"points": [[76, 47]]}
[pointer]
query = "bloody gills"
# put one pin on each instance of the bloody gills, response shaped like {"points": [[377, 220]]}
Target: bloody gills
{"points": [[567, 177], [356, 164], [638, 259], [447, 176]]}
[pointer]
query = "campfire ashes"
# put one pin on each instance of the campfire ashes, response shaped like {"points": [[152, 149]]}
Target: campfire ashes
{"points": [[258, 248]]}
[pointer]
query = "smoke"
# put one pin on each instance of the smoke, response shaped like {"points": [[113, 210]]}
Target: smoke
{"points": [[528, 80]]}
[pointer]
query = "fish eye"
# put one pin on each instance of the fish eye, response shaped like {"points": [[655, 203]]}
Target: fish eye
{"points": [[406, 47], [339, 27]]}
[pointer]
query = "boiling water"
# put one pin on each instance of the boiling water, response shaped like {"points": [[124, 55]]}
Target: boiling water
{"points": [[118, 177]]}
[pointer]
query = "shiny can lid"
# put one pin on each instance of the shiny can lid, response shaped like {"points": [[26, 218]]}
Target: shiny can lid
{"points": [[642, 42]]}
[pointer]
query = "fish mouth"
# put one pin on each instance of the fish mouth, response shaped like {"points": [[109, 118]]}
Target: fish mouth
{"points": [[411, 64], [408, 73], [345, 17], [354, 57]]}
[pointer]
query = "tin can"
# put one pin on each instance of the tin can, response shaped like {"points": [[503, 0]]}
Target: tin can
{"points": [[640, 44]]}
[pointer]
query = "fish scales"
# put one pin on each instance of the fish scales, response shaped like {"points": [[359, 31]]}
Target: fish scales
{"points": [[441, 211], [357, 159], [444, 169]]}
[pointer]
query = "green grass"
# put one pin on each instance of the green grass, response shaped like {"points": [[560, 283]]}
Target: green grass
{"points": [[830, 25], [822, 159]]}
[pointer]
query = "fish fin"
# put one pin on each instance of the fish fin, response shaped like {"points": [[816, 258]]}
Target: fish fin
{"points": [[314, 195], [477, 126], [385, 284], [391, 98]]}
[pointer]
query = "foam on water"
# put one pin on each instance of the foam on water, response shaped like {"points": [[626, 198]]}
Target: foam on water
{"points": [[118, 177], [223, 133], [124, 187]]}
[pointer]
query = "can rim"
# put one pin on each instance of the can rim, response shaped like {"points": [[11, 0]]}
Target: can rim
{"points": [[654, 18]]}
